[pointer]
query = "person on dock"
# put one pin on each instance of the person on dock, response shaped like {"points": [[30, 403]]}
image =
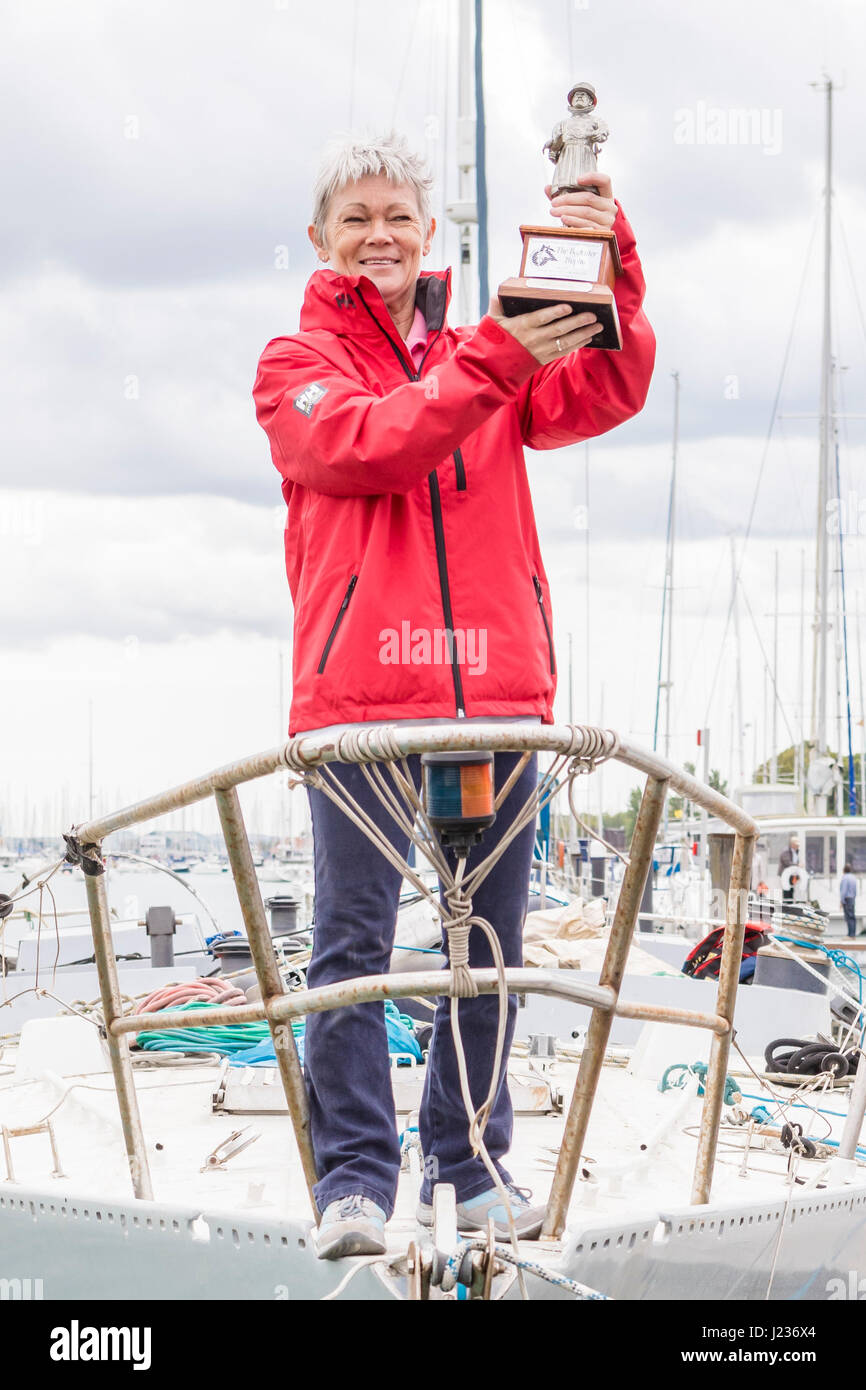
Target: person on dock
{"points": [[399, 439], [848, 896], [787, 859]]}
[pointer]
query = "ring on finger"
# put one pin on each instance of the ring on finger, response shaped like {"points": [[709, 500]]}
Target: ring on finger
{"points": [[558, 346]]}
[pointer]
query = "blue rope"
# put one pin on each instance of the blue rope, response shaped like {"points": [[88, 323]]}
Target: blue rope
{"points": [[842, 961], [840, 958], [560, 1281], [797, 1105]]}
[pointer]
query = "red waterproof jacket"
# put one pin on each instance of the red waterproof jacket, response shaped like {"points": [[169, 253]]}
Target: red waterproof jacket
{"points": [[411, 548]]}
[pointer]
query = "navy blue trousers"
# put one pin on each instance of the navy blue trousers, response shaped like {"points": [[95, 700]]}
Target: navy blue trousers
{"points": [[850, 916], [353, 1124]]}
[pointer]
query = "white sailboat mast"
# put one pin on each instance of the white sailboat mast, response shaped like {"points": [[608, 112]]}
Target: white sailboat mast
{"points": [[821, 625], [774, 738], [464, 212], [669, 576], [738, 679], [668, 592]]}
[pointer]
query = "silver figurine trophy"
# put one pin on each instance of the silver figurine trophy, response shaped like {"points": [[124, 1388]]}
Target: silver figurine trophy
{"points": [[574, 145], [576, 266]]}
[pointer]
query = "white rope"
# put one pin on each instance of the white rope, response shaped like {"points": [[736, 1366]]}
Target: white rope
{"points": [[35, 886], [587, 747], [793, 1165], [588, 828], [789, 951], [360, 1262]]}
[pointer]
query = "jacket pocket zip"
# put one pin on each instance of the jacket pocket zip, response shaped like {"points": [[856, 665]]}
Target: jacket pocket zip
{"points": [[336, 628], [460, 469], [540, 597]]}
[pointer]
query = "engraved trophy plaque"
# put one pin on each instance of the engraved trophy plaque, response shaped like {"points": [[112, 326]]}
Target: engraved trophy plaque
{"points": [[567, 265]]}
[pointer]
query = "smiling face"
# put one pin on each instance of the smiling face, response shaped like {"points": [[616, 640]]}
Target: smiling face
{"points": [[374, 228]]}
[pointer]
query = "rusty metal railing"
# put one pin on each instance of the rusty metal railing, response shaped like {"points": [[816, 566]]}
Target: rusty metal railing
{"points": [[585, 744]]}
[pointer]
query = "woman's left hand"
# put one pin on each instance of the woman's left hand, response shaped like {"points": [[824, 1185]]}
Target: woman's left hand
{"points": [[590, 211]]}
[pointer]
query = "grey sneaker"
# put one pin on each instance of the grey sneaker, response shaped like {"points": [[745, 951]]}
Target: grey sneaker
{"points": [[351, 1226], [473, 1215]]}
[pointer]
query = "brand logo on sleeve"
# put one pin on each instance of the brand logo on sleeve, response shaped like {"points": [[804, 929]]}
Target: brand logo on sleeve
{"points": [[345, 301], [309, 398]]}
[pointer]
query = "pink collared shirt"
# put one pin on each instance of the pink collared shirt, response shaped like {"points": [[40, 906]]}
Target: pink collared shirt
{"points": [[416, 342]]}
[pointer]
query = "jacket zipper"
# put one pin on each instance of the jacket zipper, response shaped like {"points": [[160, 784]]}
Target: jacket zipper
{"points": [[460, 470], [540, 596], [439, 534], [336, 628], [459, 465], [438, 528]]}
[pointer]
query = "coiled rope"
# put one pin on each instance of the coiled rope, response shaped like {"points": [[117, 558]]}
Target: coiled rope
{"points": [[809, 1057]]}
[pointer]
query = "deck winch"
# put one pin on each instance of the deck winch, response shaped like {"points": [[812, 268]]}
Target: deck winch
{"points": [[459, 796]]}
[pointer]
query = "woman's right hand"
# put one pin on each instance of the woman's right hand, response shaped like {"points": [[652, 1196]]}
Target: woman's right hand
{"points": [[543, 332]]}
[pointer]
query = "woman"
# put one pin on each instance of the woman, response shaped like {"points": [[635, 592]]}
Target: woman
{"points": [[420, 595]]}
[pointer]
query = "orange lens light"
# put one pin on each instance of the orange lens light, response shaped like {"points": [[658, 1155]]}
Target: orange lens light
{"points": [[476, 790], [459, 795]]}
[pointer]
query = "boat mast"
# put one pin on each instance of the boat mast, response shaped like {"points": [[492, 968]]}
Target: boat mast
{"points": [[741, 757], [464, 212], [774, 694], [800, 766], [819, 667], [670, 561], [668, 592], [90, 756], [862, 807], [481, 165]]}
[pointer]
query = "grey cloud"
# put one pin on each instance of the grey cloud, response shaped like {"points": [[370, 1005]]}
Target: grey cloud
{"points": [[170, 237]]}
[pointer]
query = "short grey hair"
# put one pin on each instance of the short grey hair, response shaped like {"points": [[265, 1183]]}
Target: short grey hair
{"points": [[345, 161]]}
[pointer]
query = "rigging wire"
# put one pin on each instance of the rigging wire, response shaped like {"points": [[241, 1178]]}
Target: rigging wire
{"points": [[164, 869], [764, 455], [692, 667], [767, 667], [852, 793], [790, 468], [850, 267], [354, 66], [522, 65], [405, 65]]}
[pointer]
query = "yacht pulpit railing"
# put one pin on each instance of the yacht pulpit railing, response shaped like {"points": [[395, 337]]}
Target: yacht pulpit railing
{"points": [[383, 754]]}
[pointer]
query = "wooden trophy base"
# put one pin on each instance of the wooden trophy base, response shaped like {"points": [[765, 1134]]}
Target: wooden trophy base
{"points": [[566, 265]]}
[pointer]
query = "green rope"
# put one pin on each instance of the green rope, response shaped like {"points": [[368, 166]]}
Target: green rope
{"points": [[675, 1078], [227, 1038]]}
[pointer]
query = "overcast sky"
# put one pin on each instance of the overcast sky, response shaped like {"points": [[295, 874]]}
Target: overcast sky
{"points": [[157, 168]]}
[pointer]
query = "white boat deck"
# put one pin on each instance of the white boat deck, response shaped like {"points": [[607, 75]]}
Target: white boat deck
{"points": [[640, 1152]]}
